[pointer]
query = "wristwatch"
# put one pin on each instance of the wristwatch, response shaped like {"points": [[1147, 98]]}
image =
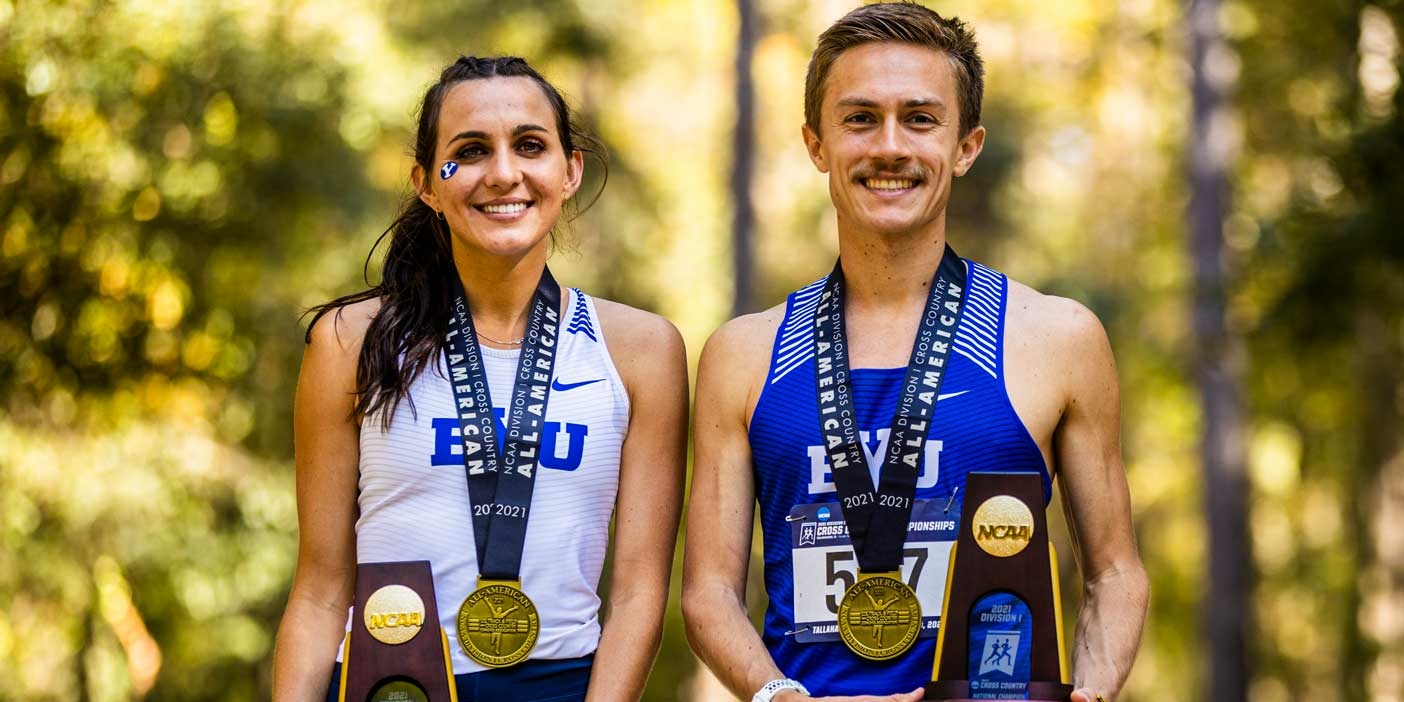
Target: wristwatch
{"points": [[774, 687]]}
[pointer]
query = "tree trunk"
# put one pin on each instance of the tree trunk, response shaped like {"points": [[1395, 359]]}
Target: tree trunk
{"points": [[1377, 497], [742, 153], [1227, 607]]}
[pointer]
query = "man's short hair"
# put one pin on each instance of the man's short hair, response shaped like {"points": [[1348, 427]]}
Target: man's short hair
{"points": [[905, 22]]}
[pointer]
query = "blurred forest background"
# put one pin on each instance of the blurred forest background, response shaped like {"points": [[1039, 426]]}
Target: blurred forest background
{"points": [[1222, 182]]}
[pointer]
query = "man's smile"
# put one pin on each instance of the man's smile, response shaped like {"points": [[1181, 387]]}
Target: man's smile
{"points": [[889, 184]]}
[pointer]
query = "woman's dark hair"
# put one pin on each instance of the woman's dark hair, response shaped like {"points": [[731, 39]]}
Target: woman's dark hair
{"points": [[406, 334]]}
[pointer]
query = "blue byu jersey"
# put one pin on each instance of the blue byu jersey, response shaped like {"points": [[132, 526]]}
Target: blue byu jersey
{"points": [[807, 566]]}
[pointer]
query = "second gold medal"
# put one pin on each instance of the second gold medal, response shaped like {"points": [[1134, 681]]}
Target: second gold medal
{"points": [[498, 624], [879, 617]]}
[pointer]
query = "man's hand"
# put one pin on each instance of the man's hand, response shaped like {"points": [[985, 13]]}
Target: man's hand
{"points": [[1087, 694], [913, 696]]}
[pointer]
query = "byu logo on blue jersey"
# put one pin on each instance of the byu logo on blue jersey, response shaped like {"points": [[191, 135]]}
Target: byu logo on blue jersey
{"points": [[448, 444], [821, 479]]}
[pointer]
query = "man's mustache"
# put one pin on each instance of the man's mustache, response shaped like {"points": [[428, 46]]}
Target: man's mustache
{"points": [[868, 171]]}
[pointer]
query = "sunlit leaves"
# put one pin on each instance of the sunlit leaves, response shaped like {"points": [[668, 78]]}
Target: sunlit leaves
{"points": [[145, 147]]}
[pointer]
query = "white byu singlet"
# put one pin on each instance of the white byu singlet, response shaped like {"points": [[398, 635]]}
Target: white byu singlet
{"points": [[414, 497]]}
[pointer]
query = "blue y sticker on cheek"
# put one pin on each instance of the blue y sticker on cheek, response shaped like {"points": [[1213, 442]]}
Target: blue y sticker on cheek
{"points": [[449, 168]]}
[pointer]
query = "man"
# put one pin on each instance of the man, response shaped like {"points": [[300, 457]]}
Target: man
{"points": [[892, 106]]}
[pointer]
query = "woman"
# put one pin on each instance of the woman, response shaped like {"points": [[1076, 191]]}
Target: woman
{"points": [[389, 452]]}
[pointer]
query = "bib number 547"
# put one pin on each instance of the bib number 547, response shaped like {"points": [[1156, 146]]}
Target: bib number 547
{"points": [[841, 568]]}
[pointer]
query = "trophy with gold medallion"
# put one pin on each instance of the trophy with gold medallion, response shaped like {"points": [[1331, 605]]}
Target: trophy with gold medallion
{"points": [[879, 616], [498, 624], [1001, 634], [393, 653]]}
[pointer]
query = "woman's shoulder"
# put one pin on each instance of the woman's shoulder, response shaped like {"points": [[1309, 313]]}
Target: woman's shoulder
{"points": [[341, 328], [628, 326], [327, 383], [636, 336]]}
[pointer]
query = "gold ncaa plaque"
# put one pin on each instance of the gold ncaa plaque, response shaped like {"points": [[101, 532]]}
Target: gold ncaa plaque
{"points": [[879, 617], [498, 624], [1003, 526], [394, 614]]}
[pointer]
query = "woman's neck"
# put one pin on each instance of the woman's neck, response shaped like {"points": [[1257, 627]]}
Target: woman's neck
{"points": [[500, 291]]}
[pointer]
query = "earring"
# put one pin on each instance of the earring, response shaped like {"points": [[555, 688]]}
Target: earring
{"points": [[440, 215]]}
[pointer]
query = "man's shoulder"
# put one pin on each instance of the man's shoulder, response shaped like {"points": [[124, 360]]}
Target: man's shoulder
{"points": [[734, 364], [1050, 321], [746, 340]]}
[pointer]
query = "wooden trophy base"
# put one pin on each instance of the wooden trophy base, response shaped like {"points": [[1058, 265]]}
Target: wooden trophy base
{"points": [[959, 691], [1001, 559], [414, 662]]}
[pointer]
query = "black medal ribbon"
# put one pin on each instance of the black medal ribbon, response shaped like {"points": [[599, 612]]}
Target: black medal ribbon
{"points": [[877, 519], [500, 483]]}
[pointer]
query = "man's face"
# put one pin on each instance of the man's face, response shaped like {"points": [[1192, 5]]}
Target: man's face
{"points": [[889, 137]]}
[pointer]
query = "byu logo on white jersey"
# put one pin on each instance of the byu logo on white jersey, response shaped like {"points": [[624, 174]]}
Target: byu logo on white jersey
{"points": [[821, 479], [448, 444]]}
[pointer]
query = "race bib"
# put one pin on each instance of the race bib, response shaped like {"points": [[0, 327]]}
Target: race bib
{"points": [[825, 566]]}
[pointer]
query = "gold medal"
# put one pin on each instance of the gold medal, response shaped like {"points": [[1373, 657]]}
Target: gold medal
{"points": [[879, 617], [498, 624]]}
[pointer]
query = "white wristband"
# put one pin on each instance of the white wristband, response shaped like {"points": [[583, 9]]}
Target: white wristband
{"points": [[774, 687]]}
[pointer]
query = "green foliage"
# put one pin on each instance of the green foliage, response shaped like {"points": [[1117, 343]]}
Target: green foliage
{"points": [[132, 552], [161, 172], [1322, 305], [156, 192]]}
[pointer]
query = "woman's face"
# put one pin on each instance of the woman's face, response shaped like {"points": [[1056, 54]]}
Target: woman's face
{"points": [[500, 173]]}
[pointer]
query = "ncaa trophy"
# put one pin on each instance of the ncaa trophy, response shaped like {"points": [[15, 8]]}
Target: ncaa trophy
{"points": [[1001, 635], [388, 657]]}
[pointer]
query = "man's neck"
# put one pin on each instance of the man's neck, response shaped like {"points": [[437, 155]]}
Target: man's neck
{"points": [[890, 272]]}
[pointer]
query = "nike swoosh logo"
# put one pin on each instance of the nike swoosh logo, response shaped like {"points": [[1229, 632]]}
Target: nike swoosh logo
{"points": [[558, 386], [950, 395]]}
